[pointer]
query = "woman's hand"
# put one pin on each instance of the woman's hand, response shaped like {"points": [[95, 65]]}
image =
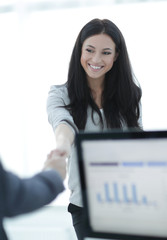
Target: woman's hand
{"points": [[57, 158], [56, 161]]}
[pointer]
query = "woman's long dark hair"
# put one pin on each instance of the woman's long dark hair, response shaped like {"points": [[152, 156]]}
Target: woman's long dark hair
{"points": [[121, 95]]}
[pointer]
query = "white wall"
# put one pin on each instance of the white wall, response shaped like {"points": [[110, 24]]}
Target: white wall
{"points": [[35, 49]]}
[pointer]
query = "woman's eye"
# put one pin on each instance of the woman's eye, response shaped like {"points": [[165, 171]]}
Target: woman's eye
{"points": [[89, 50], [106, 53]]}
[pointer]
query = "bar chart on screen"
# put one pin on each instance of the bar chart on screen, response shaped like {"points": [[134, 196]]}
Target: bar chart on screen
{"points": [[126, 185], [122, 194], [116, 197], [118, 187]]}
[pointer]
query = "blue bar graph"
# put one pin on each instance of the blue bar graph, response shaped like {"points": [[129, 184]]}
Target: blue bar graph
{"points": [[107, 192], [116, 195], [125, 194], [134, 193], [144, 200], [121, 193]]}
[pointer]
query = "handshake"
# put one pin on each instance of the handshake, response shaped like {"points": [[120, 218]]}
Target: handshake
{"points": [[56, 160]]}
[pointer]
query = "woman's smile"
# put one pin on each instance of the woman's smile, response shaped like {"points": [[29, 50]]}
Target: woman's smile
{"points": [[95, 68]]}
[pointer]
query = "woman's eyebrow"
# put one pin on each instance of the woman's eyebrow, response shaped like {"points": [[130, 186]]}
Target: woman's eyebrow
{"points": [[103, 48], [90, 46], [107, 49]]}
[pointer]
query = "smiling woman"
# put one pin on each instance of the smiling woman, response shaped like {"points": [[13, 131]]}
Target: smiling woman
{"points": [[100, 94]]}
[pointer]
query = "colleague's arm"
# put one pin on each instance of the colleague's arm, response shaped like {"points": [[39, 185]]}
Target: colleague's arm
{"points": [[25, 195]]}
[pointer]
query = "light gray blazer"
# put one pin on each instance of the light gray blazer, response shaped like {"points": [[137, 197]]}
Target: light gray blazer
{"points": [[58, 96]]}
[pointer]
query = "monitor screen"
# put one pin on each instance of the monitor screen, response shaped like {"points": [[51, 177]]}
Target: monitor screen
{"points": [[125, 185]]}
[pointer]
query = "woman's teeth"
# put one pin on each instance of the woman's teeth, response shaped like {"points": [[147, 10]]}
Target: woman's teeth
{"points": [[94, 67]]}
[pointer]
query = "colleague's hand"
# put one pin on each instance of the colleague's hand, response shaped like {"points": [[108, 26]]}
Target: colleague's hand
{"points": [[56, 160]]}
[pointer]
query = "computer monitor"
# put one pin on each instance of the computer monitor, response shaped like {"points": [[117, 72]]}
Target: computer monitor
{"points": [[123, 178]]}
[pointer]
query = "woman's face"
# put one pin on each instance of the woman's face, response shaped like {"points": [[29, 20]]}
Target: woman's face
{"points": [[98, 56]]}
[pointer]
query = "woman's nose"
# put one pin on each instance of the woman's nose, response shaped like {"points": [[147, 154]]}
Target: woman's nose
{"points": [[96, 58]]}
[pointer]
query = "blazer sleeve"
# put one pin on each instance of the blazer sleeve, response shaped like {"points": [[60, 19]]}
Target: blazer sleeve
{"points": [[57, 99], [25, 195]]}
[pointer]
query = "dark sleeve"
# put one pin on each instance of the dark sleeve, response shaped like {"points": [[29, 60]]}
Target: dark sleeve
{"points": [[26, 195]]}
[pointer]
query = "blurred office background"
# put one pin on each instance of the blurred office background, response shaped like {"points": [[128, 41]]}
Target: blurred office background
{"points": [[36, 40]]}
